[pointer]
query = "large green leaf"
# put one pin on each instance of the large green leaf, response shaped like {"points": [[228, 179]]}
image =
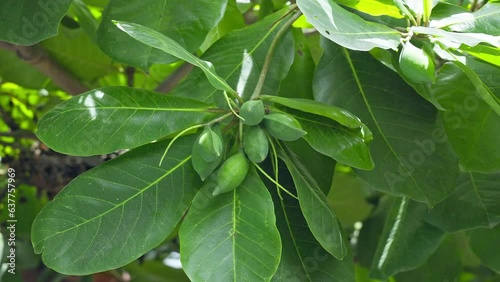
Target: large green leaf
{"points": [[474, 203], [471, 124], [410, 158], [232, 236], [27, 22], [239, 57], [185, 22], [154, 39], [484, 243], [485, 20], [114, 213], [347, 29], [338, 142], [339, 115], [319, 215], [107, 119], [303, 258], [407, 240]]}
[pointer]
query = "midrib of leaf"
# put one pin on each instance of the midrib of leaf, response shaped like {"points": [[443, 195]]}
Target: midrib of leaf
{"points": [[248, 56], [124, 202], [360, 87], [233, 233], [476, 190], [136, 109]]}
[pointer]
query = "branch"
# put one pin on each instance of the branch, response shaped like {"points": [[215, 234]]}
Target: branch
{"points": [[172, 80], [41, 60]]}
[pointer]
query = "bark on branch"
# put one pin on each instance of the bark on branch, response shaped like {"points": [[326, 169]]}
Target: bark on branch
{"points": [[41, 60]]}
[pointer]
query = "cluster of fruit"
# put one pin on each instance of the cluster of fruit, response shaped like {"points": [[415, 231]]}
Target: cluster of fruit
{"points": [[208, 150]]}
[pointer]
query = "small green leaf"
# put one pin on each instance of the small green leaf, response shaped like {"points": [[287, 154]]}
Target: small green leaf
{"points": [[27, 22], [407, 240], [342, 144], [187, 23], [320, 217], [454, 39], [347, 29], [114, 213], [303, 258], [339, 115], [159, 41], [485, 53], [416, 65], [232, 236], [111, 118]]}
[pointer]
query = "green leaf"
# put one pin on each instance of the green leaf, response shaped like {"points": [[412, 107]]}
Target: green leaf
{"points": [[25, 22], [85, 18], [346, 28], [318, 165], [485, 53], [407, 240], [484, 243], [232, 236], [339, 115], [373, 7], [114, 213], [444, 265], [239, 57], [485, 20], [474, 203], [410, 158], [454, 39], [111, 118], [303, 258], [159, 41], [320, 217], [342, 144], [86, 61], [185, 22], [471, 124]]}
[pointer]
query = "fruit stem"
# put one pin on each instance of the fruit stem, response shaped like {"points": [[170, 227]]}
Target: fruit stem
{"points": [[274, 181], [274, 43], [177, 137]]}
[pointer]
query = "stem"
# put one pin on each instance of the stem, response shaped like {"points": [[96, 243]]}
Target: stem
{"points": [[274, 181], [177, 137], [267, 62], [231, 106]]}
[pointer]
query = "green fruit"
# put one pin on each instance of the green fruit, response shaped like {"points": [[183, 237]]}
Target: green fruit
{"points": [[416, 65], [207, 152], [210, 144], [232, 173], [255, 144], [283, 127], [252, 112]]}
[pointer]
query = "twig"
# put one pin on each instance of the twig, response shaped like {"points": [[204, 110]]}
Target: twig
{"points": [[267, 62], [172, 80], [41, 60]]}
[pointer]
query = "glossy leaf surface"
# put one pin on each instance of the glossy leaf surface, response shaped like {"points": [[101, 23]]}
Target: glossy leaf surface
{"points": [[113, 214], [112, 118]]}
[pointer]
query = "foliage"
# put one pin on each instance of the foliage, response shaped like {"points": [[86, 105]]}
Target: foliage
{"points": [[378, 137]]}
